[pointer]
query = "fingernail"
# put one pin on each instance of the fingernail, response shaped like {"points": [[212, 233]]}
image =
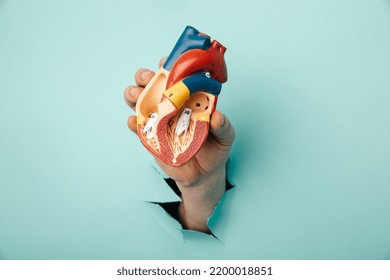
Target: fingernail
{"points": [[132, 91], [145, 74], [222, 120], [162, 61]]}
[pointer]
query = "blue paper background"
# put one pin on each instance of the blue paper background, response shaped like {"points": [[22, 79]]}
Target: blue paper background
{"points": [[308, 93]]}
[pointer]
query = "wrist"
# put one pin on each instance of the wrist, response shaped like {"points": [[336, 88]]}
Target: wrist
{"points": [[199, 200]]}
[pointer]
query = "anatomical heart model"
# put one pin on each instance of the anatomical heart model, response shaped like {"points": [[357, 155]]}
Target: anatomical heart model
{"points": [[174, 109]]}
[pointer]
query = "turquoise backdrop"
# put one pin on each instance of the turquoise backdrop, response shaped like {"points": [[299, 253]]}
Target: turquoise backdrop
{"points": [[308, 94]]}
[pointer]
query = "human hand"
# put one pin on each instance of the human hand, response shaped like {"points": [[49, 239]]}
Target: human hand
{"points": [[202, 180]]}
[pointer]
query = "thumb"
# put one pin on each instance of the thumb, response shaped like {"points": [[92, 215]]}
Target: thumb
{"points": [[222, 129]]}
